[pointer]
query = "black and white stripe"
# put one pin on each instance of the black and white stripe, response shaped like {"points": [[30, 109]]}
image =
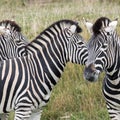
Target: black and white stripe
{"points": [[27, 82], [12, 42], [104, 55]]}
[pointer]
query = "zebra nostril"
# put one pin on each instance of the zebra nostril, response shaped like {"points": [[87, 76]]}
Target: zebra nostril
{"points": [[90, 68], [90, 72]]}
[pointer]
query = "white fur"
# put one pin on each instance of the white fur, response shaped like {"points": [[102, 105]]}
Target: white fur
{"points": [[88, 25], [4, 30]]}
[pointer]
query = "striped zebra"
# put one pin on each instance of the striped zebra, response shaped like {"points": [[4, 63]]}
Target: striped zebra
{"points": [[12, 42], [104, 55], [26, 82]]}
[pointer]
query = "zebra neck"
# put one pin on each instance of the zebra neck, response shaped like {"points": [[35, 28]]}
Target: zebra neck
{"points": [[54, 48], [49, 67], [113, 72], [113, 82]]}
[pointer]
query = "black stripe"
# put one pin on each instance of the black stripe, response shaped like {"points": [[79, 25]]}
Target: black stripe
{"points": [[3, 81], [45, 69], [9, 85]]}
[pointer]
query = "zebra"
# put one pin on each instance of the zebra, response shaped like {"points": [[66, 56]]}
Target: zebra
{"points": [[35, 75], [12, 42], [104, 55]]}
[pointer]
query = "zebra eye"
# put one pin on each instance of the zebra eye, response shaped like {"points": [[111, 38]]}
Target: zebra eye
{"points": [[108, 33], [80, 43], [104, 47], [17, 40]]}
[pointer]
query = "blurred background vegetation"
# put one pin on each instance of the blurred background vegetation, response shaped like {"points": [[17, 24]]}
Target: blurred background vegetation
{"points": [[73, 98]]}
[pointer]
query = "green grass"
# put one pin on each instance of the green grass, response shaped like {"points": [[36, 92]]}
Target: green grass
{"points": [[73, 98]]}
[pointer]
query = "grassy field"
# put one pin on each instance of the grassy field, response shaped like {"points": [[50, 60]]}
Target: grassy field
{"points": [[73, 98]]}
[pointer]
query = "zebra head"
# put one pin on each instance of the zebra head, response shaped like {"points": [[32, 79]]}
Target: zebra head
{"points": [[76, 47], [100, 48], [12, 42]]}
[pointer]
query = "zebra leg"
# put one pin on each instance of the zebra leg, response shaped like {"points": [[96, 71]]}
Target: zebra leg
{"points": [[23, 111], [36, 115], [113, 113], [22, 114], [4, 116]]}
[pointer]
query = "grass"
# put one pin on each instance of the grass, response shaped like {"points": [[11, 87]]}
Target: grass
{"points": [[73, 98]]}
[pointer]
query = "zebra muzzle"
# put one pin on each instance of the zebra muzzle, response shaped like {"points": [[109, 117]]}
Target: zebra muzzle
{"points": [[90, 73]]}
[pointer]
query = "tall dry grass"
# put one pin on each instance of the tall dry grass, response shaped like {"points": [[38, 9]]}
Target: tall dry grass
{"points": [[73, 98]]}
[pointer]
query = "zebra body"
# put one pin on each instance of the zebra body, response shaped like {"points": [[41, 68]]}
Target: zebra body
{"points": [[35, 75], [12, 42], [104, 55]]}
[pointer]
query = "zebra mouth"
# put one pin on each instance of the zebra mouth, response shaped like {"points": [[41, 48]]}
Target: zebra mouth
{"points": [[91, 76]]}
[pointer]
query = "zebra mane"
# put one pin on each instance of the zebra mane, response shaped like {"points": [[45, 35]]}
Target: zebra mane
{"points": [[67, 23], [99, 24], [12, 25]]}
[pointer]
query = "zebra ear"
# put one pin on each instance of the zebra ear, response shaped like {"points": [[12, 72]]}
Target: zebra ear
{"points": [[112, 26], [73, 28], [89, 26], [3, 30]]}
